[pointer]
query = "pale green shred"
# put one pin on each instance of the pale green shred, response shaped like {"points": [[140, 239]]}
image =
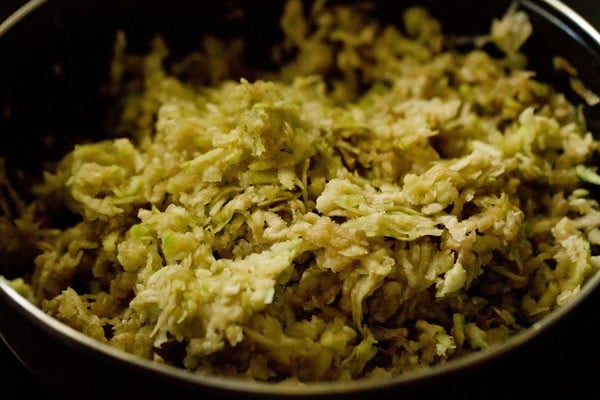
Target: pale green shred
{"points": [[20, 286], [512, 31], [588, 174], [381, 204]]}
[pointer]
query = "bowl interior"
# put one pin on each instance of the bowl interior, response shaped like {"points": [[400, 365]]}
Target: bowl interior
{"points": [[56, 57]]}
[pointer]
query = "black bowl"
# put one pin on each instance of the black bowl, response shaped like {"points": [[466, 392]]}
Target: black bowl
{"points": [[46, 111]]}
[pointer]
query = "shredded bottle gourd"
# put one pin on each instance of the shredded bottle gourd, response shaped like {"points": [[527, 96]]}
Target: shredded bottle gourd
{"points": [[382, 203]]}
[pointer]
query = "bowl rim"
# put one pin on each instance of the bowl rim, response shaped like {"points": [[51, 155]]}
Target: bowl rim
{"points": [[564, 10], [549, 9], [20, 13]]}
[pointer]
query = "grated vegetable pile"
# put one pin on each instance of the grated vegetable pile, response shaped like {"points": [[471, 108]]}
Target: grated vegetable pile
{"points": [[380, 204]]}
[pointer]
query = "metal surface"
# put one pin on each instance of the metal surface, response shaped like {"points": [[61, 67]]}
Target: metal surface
{"points": [[496, 374]]}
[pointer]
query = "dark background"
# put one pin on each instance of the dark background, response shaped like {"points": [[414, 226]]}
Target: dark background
{"points": [[563, 364]]}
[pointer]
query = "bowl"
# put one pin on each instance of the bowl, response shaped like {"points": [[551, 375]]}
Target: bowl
{"points": [[56, 54]]}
